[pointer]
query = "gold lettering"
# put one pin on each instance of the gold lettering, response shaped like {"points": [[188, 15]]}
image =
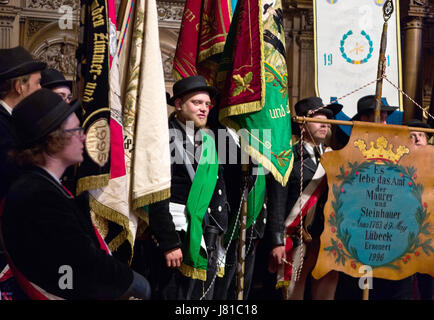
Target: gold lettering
{"points": [[98, 59], [91, 85], [100, 37], [87, 99], [97, 17], [97, 11]]}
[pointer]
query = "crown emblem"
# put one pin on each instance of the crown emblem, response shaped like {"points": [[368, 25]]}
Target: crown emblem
{"points": [[382, 152]]}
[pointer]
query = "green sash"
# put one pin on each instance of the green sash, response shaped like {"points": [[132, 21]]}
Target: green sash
{"points": [[195, 259], [255, 202]]}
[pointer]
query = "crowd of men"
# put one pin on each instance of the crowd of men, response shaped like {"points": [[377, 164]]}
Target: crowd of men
{"points": [[47, 231]]}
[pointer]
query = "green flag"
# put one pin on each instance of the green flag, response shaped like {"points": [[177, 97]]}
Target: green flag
{"points": [[253, 79]]}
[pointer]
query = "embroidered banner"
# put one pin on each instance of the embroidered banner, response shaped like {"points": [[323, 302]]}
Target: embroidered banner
{"points": [[253, 78], [146, 131], [110, 204], [94, 171], [204, 27], [347, 45], [379, 208]]}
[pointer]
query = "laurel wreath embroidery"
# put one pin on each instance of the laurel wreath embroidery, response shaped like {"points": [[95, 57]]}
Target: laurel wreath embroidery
{"points": [[282, 157], [242, 84], [344, 55]]}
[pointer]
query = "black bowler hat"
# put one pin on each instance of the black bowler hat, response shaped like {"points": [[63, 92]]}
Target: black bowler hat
{"points": [[191, 84], [418, 123], [367, 104], [303, 106], [52, 78], [39, 114], [15, 62]]}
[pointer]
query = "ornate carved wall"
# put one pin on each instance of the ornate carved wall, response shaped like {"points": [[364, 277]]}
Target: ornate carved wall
{"points": [[40, 26]]}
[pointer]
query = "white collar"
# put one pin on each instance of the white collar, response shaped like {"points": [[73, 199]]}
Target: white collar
{"points": [[311, 150], [6, 106], [51, 174], [189, 133], [234, 136]]}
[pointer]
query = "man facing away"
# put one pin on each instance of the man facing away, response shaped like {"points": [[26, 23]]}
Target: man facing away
{"points": [[187, 226]]}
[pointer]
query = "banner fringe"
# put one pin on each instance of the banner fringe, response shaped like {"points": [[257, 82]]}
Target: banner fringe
{"points": [[112, 215], [193, 273], [215, 49], [151, 198], [92, 182]]}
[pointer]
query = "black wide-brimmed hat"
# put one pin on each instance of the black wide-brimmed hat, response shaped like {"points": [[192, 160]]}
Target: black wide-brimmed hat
{"points": [[367, 104], [39, 114], [191, 84], [303, 107], [52, 78], [15, 62]]}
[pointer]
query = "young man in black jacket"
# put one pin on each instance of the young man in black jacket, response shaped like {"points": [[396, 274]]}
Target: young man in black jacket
{"points": [[53, 249], [186, 227]]}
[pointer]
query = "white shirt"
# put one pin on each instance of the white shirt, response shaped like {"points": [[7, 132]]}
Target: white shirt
{"points": [[189, 133], [6, 106], [311, 150]]}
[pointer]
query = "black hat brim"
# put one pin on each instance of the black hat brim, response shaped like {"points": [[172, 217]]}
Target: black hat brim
{"points": [[23, 69], [330, 111], [213, 93], [416, 123], [58, 83], [389, 110]]}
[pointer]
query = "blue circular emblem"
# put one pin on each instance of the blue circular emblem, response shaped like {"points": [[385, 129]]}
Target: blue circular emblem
{"points": [[357, 49]]}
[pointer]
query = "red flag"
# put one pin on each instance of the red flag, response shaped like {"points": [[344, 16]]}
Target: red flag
{"points": [[202, 37]]}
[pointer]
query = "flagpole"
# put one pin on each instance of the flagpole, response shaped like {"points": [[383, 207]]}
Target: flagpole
{"points": [[299, 119], [387, 13], [242, 234]]}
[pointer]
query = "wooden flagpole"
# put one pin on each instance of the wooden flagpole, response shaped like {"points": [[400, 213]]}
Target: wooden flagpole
{"points": [[387, 13]]}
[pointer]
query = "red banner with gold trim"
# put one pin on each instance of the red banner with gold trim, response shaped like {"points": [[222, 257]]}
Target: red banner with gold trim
{"points": [[202, 37]]}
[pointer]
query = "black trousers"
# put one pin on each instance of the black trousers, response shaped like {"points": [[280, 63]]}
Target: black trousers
{"points": [[170, 283], [226, 287]]}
